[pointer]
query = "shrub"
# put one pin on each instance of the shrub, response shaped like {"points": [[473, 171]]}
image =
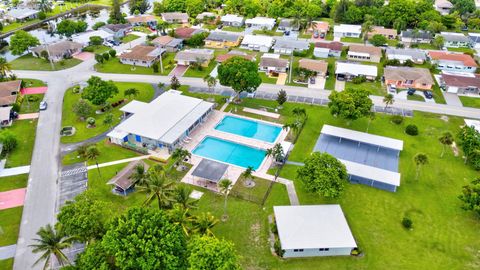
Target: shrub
{"points": [[112, 53], [9, 141], [359, 79], [106, 56], [273, 228], [42, 15], [397, 119], [88, 49], [32, 98], [91, 121], [155, 67], [98, 25], [411, 130], [407, 223], [278, 248]]}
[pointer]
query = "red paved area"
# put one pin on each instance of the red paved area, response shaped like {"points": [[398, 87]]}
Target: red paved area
{"points": [[178, 71], [12, 198], [34, 90], [84, 56], [25, 116]]}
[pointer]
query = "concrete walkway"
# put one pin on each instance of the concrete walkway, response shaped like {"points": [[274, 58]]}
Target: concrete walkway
{"points": [[292, 193], [91, 167], [7, 252], [15, 171], [26, 116]]}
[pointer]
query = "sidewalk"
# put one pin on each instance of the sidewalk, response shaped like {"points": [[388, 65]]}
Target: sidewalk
{"points": [[26, 116], [91, 167], [7, 252], [15, 171]]}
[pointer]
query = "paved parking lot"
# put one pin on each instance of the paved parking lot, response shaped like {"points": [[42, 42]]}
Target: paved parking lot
{"points": [[73, 181]]}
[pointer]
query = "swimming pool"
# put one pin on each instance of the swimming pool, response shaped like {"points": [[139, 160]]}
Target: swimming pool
{"points": [[249, 128], [230, 152]]}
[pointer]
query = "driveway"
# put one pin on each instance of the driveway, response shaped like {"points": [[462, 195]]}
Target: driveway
{"points": [[404, 96], [84, 56], [282, 78], [452, 99], [339, 85], [214, 72], [178, 71], [34, 90], [319, 83]]}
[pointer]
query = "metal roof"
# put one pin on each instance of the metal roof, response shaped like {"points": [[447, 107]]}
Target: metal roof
{"points": [[373, 173], [355, 69], [210, 170], [258, 40], [282, 43]]}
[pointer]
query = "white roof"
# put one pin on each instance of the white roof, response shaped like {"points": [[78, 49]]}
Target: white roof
{"points": [[232, 18], [258, 40], [166, 118], [373, 173], [347, 28], [355, 69], [117, 134], [313, 226], [133, 106], [5, 113], [286, 146], [261, 21], [21, 13], [85, 37], [474, 123], [363, 137]]}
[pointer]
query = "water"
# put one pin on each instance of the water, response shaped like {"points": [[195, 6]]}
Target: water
{"points": [[230, 152], [248, 128]]}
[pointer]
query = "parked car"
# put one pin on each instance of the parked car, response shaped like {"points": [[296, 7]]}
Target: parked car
{"points": [[312, 80], [428, 94], [392, 88], [114, 42], [322, 35], [315, 34], [411, 91], [43, 105], [287, 33], [220, 26]]}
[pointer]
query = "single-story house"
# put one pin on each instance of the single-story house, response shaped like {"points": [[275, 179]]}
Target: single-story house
{"points": [[313, 230], [59, 50], [187, 32], [474, 40], [170, 44], [288, 25], [261, 23], [455, 40], [462, 84], [162, 123], [318, 66], [187, 57], [8, 92], [143, 19], [415, 55], [21, 14], [408, 77], [122, 182], [328, 49], [319, 27], [272, 63], [347, 30], [386, 32], [443, 6], [206, 16], [175, 17], [288, 46], [257, 43], [416, 36], [364, 53], [221, 40], [117, 30], [6, 118], [453, 62], [348, 70], [232, 20], [84, 38], [234, 53], [141, 55]]}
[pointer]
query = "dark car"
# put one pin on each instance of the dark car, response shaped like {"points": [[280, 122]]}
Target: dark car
{"points": [[322, 35], [220, 26], [287, 33], [411, 91], [428, 94]]}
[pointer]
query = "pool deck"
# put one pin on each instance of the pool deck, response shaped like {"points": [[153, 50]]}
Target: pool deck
{"points": [[233, 172]]}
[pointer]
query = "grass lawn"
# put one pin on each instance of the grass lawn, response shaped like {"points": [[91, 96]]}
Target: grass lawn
{"points": [[462, 50], [25, 131], [10, 224], [438, 94], [29, 62], [351, 40], [6, 264], [415, 97], [219, 100], [375, 88], [33, 82], [15, 25], [113, 65], [267, 79], [129, 37], [392, 42], [233, 29], [268, 33], [142, 29], [470, 101], [31, 103], [426, 46], [97, 48], [205, 70], [256, 192], [330, 81], [82, 132], [13, 182]]}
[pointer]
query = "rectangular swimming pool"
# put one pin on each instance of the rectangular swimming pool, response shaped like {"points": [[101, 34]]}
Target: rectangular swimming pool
{"points": [[230, 152], [249, 128]]}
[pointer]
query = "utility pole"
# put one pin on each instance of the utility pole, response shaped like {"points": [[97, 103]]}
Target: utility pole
{"points": [[48, 52], [291, 65], [161, 62]]}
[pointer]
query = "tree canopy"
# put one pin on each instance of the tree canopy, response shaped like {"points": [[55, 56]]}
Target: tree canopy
{"points": [[21, 41], [350, 104], [70, 27], [469, 140], [240, 74], [209, 253], [99, 91], [471, 196]]}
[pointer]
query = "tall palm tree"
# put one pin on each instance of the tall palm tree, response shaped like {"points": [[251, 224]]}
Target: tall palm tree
{"points": [[367, 27], [294, 126], [224, 187], [182, 197], [248, 175], [181, 217], [51, 242], [179, 155], [139, 175], [388, 100], [204, 223], [210, 81], [445, 139], [5, 67], [420, 159], [160, 188], [91, 154], [371, 116], [299, 113], [276, 152]]}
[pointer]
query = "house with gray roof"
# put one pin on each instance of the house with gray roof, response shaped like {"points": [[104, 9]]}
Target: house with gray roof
{"points": [[59, 50], [455, 40], [201, 56], [288, 46], [21, 14], [288, 25], [415, 55], [117, 30], [411, 36], [272, 63], [232, 20], [175, 17], [222, 40], [474, 39]]}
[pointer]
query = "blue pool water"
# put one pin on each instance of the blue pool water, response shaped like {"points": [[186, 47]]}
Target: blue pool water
{"points": [[230, 152], [248, 128]]}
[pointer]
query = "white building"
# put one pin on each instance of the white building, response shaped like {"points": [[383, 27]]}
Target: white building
{"points": [[261, 23], [347, 30], [21, 14], [415, 55], [349, 70], [257, 43], [162, 123], [443, 6], [232, 20], [313, 230], [455, 40], [84, 38]]}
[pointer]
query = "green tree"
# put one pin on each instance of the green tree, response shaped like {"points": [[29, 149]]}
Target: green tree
{"points": [[51, 243], [175, 83], [82, 109], [210, 81], [469, 140], [21, 41], [106, 56], [194, 7], [378, 40], [158, 187], [464, 7], [116, 15], [179, 155], [97, 25], [350, 104], [197, 40], [224, 187], [9, 141], [108, 120], [207, 253], [5, 67], [420, 160], [68, 27], [44, 5], [182, 197], [445, 139], [131, 92], [99, 58], [181, 216], [112, 53], [471, 196], [367, 27], [324, 175], [139, 175], [388, 99], [94, 257], [438, 42], [91, 154], [240, 74], [281, 97], [203, 223], [96, 40], [99, 91]]}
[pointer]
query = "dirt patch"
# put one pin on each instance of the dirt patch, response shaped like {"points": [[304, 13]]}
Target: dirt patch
{"points": [[255, 233], [444, 118], [455, 149]]}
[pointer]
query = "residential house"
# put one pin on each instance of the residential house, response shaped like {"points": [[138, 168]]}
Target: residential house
{"points": [[262, 23], [59, 50], [408, 77], [257, 43], [206, 16], [8, 92], [221, 40], [416, 36], [474, 40], [234, 53], [455, 40], [313, 230], [288, 46], [200, 56], [141, 55], [143, 19], [6, 117], [187, 32], [21, 14], [328, 49], [453, 62], [443, 6], [364, 53], [122, 182], [170, 44], [117, 30], [386, 32], [462, 84], [346, 71], [175, 17], [273, 64], [415, 55], [232, 20], [318, 27], [347, 30], [318, 66], [84, 38], [288, 25]]}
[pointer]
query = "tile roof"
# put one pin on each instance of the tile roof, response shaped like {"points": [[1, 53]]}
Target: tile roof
{"points": [[194, 54], [365, 49], [466, 59], [461, 81], [186, 32], [6, 90], [383, 31], [335, 46], [319, 25], [144, 18], [273, 62], [222, 36], [418, 75], [162, 40], [224, 57], [59, 48], [314, 65], [141, 52], [175, 16]]}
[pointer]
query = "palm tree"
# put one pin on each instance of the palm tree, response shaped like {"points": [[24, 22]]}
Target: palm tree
{"points": [[420, 160], [210, 81], [181, 217], [276, 152], [299, 113], [248, 175], [92, 154], [204, 223], [388, 100], [294, 126], [51, 242], [160, 188], [445, 139], [179, 155], [224, 186], [182, 197], [366, 28], [108, 120], [44, 5], [5, 67], [139, 175], [131, 92]]}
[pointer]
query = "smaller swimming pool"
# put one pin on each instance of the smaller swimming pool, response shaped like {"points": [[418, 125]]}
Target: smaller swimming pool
{"points": [[249, 128], [230, 152]]}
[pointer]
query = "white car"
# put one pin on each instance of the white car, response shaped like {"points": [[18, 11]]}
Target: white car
{"points": [[43, 106]]}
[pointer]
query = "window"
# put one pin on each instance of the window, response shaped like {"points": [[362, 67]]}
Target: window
{"points": [[298, 250]]}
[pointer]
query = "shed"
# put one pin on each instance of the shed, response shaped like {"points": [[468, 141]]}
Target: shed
{"points": [[210, 171], [122, 182]]}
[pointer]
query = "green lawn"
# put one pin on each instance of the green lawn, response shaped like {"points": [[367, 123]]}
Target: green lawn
{"points": [[97, 48], [351, 40], [128, 38], [142, 29], [10, 225], [6, 264], [219, 100], [200, 73], [330, 81], [375, 88], [82, 132], [392, 42], [470, 101], [31, 103], [13, 182], [415, 97], [267, 79], [233, 29], [113, 65], [29, 62], [425, 46], [462, 50], [272, 33], [25, 131], [438, 94], [33, 82], [15, 25]]}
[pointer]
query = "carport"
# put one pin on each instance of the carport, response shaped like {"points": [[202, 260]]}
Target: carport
{"points": [[211, 172]]}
